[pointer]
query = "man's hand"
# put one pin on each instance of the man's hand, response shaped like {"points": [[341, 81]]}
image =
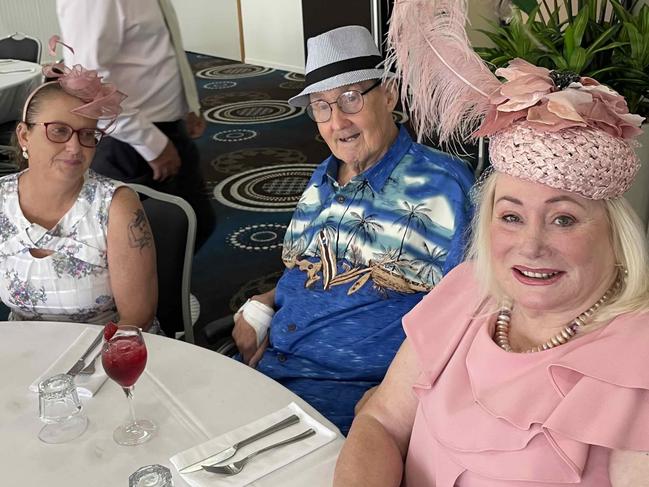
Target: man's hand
{"points": [[245, 337], [167, 164], [259, 353], [195, 125]]}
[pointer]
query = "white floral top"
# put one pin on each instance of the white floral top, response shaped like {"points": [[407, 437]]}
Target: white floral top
{"points": [[71, 284]]}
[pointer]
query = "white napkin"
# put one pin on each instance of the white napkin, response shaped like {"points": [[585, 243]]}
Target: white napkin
{"points": [[87, 385], [264, 463]]}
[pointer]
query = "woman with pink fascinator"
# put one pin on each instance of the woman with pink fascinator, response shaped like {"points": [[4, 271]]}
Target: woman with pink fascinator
{"points": [[74, 246], [527, 365]]}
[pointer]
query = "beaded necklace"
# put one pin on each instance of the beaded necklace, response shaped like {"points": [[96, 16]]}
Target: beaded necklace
{"points": [[570, 330]]}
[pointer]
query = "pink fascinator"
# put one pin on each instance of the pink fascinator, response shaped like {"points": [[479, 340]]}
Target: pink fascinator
{"points": [[102, 100], [551, 127]]}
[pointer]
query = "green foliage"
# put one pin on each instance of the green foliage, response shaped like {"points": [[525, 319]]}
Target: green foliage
{"points": [[605, 39]]}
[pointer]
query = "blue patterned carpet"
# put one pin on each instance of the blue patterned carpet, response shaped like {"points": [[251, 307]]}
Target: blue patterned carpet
{"points": [[257, 156]]}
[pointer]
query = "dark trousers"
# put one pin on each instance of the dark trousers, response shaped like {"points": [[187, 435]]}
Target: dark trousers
{"points": [[118, 160]]}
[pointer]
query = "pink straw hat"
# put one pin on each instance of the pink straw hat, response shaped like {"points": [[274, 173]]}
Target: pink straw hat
{"points": [[586, 161]]}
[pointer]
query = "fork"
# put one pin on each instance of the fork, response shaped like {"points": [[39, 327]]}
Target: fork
{"points": [[236, 467], [90, 368]]}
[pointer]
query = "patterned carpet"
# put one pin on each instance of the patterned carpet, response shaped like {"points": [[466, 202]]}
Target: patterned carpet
{"points": [[257, 156]]}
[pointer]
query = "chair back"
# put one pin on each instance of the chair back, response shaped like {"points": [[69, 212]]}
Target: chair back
{"points": [[20, 46], [173, 224]]}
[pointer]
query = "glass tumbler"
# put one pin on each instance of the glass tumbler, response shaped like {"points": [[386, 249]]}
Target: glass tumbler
{"points": [[60, 410], [151, 476]]}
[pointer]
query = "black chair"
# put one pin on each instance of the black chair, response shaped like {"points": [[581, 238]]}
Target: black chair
{"points": [[20, 46], [173, 224]]}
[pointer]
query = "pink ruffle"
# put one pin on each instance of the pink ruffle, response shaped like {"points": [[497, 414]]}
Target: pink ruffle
{"points": [[523, 417]]}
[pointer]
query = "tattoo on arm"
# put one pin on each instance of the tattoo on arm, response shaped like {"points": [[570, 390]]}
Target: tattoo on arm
{"points": [[139, 233]]}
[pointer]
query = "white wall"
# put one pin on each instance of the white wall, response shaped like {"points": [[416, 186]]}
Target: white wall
{"points": [[273, 35], [480, 13], [209, 27]]}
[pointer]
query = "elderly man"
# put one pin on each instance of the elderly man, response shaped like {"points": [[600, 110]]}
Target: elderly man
{"points": [[378, 225]]}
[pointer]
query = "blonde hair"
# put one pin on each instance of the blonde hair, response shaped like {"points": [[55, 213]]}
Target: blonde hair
{"points": [[630, 248]]}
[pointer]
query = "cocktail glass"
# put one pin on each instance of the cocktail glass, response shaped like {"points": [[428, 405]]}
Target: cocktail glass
{"points": [[124, 358]]}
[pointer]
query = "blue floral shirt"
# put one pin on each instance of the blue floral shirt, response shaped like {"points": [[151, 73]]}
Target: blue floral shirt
{"points": [[358, 258]]}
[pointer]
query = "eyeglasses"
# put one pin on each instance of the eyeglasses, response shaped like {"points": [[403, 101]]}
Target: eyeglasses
{"points": [[349, 102], [60, 133]]}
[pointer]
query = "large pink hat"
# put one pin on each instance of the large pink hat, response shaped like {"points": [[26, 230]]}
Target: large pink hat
{"points": [[102, 100], [551, 127]]}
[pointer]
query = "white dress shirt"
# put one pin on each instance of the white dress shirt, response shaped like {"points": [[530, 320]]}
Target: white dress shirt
{"points": [[127, 41]]}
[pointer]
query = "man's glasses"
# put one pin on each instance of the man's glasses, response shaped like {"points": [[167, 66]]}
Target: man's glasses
{"points": [[349, 102], [61, 132]]}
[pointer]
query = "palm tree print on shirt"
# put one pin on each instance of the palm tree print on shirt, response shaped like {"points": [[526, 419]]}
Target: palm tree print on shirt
{"points": [[363, 227], [412, 216], [432, 264], [362, 187]]}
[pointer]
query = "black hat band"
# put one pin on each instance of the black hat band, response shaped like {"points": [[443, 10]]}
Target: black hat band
{"points": [[340, 67]]}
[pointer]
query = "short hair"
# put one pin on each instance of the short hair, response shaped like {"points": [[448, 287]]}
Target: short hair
{"points": [[629, 249], [33, 109]]}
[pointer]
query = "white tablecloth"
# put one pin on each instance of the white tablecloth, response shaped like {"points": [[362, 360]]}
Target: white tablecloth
{"points": [[193, 394], [17, 80]]}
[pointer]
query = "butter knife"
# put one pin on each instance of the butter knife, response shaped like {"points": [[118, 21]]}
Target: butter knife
{"points": [[81, 363], [231, 450]]}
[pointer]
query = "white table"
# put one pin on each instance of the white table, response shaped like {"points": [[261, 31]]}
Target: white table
{"points": [[191, 393], [17, 80]]}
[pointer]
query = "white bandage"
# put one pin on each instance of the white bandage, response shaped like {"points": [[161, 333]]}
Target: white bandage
{"points": [[258, 315]]}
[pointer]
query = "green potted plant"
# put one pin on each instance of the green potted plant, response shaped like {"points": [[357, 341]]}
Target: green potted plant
{"points": [[604, 39]]}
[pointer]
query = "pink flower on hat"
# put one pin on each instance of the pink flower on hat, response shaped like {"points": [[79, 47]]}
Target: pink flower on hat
{"points": [[530, 93], [102, 100], [82, 83]]}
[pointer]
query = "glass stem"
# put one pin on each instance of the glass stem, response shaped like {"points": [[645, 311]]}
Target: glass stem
{"points": [[129, 396]]}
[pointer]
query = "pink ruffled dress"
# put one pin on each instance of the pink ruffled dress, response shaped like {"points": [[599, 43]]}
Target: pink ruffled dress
{"points": [[490, 418]]}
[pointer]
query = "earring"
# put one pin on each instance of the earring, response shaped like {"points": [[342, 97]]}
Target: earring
{"points": [[25, 154]]}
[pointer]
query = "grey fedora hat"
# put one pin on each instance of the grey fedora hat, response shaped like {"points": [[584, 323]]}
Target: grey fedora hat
{"points": [[339, 57]]}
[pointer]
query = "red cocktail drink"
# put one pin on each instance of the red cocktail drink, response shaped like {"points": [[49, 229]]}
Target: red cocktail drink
{"points": [[123, 356], [124, 359]]}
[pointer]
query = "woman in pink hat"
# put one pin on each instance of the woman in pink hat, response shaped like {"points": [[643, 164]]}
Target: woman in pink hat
{"points": [[527, 366], [74, 246]]}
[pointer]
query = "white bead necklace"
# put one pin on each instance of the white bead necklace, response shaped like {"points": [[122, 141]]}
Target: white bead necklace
{"points": [[505, 315]]}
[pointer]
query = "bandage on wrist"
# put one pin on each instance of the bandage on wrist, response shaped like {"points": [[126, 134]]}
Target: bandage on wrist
{"points": [[258, 316]]}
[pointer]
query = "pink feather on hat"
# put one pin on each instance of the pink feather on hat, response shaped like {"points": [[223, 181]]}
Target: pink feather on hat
{"points": [[444, 82]]}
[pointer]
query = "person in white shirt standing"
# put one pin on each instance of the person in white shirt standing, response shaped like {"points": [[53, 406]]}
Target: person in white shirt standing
{"points": [[131, 43]]}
